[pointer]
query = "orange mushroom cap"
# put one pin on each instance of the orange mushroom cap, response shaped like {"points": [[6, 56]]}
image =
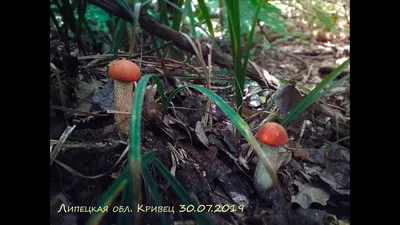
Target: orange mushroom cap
{"points": [[272, 133], [124, 70]]}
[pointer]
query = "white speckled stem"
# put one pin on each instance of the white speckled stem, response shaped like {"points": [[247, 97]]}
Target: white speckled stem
{"points": [[123, 96], [262, 179]]}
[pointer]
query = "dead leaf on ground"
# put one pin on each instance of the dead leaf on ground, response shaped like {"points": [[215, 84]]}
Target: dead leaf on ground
{"points": [[229, 139], [309, 194], [152, 110], [201, 135], [248, 113], [84, 91], [287, 97], [302, 155], [333, 184]]}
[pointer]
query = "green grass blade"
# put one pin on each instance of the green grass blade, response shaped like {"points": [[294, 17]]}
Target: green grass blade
{"points": [[127, 8], [119, 34], [189, 13], [81, 17], [125, 218], [251, 35], [177, 15], [235, 34], [115, 189], [177, 6], [315, 93], [163, 12], [329, 88], [206, 16], [181, 192], [68, 15], [154, 192], [108, 198], [134, 156]]}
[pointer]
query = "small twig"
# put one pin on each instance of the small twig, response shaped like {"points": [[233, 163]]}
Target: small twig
{"points": [[302, 131], [76, 111], [110, 111], [308, 74]]}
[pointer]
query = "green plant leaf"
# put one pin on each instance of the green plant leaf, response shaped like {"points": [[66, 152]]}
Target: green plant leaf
{"points": [[206, 16], [324, 18], [177, 15], [315, 94], [235, 35], [108, 198], [134, 155], [189, 13], [120, 31], [269, 14], [251, 35], [163, 12]]}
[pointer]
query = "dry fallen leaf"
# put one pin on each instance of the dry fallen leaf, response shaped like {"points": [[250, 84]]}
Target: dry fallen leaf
{"points": [[309, 194], [201, 135], [248, 113], [85, 91], [302, 155], [152, 110]]}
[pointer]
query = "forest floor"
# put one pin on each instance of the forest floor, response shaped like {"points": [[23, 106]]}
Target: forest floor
{"points": [[204, 158]]}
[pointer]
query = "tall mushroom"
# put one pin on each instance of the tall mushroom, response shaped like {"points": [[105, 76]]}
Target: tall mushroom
{"points": [[271, 137], [125, 73]]}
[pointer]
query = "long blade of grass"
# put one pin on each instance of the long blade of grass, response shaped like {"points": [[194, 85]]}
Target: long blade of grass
{"points": [[163, 12], [234, 30], [114, 190], [81, 17], [126, 201], [119, 33], [154, 192], [189, 13], [206, 16], [328, 89], [126, 6], [177, 6], [251, 35], [177, 15], [181, 192], [311, 97], [68, 15], [136, 12], [134, 156]]}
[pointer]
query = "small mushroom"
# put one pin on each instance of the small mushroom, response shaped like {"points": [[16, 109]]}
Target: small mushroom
{"points": [[125, 73], [271, 137]]}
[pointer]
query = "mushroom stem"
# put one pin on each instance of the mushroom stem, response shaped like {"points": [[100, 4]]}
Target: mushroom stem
{"points": [[123, 96], [262, 179]]}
